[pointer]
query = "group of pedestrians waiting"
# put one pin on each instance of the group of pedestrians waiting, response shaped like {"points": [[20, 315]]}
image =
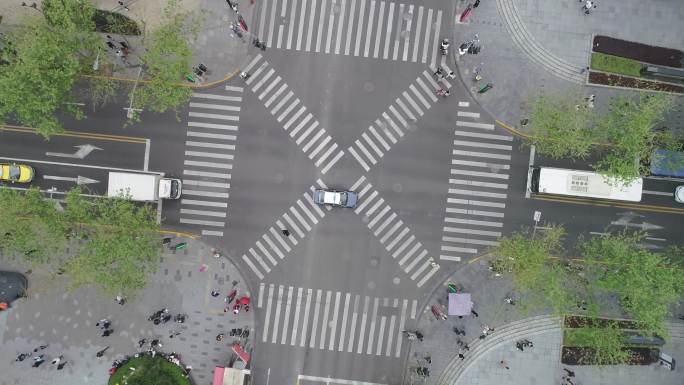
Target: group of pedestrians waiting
{"points": [[39, 358]]}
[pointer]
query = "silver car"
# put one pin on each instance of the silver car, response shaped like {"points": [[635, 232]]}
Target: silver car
{"points": [[679, 194], [335, 198]]}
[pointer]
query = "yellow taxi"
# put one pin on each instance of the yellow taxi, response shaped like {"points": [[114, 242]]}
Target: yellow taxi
{"points": [[16, 173]]}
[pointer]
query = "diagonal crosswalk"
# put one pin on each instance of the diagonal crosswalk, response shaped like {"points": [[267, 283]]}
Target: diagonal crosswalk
{"points": [[301, 125], [394, 234], [333, 320], [208, 159], [478, 186], [273, 245], [379, 29], [393, 123]]}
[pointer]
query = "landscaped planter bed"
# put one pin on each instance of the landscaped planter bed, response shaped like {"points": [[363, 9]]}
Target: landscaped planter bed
{"points": [[571, 355], [628, 82], [149, 370], [637, 51], [577, 321]]}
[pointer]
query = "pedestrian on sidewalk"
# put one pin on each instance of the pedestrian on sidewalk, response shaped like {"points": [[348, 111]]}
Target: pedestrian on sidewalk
{"points": [[473, 312], [215, 293], [103, 323], [142, 342], [41, 347], [101, 352], [120, 299], [476, 4], [504, 364], [23, 356], [38, 360]]}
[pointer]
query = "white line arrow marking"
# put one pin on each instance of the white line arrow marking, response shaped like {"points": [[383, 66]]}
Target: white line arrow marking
{"points": [[80, 180], [82, 152]]}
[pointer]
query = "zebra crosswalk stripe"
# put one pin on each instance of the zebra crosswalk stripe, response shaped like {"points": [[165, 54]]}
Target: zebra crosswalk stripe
{"points": [[333, 322], [324, 325], [390, 22], [408, 29], [417, 37], [402, 322], [276, 321], [295, 322], [273, 246], [267, 319], [340, 345], [362, 331], [287, 315], [309, 295], [260, 260], [371, 332], [378, 31], [314, 323], [266, 253], [395, 51]]}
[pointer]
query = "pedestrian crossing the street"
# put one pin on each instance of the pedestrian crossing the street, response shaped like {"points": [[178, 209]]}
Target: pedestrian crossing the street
{"points": [[394, 234], [333, 320], [298, 220], [369, 28], [478, 186], [209, 154], [301, 125], [394, 123]]}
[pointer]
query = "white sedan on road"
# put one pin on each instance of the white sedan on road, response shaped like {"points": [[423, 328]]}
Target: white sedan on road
{"points": [[335, 198]]}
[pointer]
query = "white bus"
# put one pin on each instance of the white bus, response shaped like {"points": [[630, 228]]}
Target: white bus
{"points": [[558, 181]]}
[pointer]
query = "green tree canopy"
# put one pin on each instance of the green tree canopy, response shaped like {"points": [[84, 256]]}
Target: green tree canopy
{"points": [[30, 227], [167, 61], [630, 128], [113, 242], [47, 56], [537, 273], [563, 126], [559, 128], [646, 283]]}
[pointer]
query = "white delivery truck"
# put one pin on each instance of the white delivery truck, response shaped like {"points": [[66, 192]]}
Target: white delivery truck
{"points": [[143, 187]]}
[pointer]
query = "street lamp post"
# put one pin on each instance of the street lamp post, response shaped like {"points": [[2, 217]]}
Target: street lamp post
{"points": [[130, 110]]}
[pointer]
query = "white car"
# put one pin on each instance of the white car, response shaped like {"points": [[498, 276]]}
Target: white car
{"points": [[335, 198], [679, 194]]}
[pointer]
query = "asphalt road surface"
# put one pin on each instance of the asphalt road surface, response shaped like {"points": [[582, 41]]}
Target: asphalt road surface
{"points": [[344, 98]]}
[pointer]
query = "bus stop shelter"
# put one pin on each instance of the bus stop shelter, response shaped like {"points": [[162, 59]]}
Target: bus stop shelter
{"points": [[460, 304]]}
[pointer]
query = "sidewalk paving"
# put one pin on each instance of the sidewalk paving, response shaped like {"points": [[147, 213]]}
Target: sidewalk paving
{"points": [[66, 322], [530, 47], [537, 365]]}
